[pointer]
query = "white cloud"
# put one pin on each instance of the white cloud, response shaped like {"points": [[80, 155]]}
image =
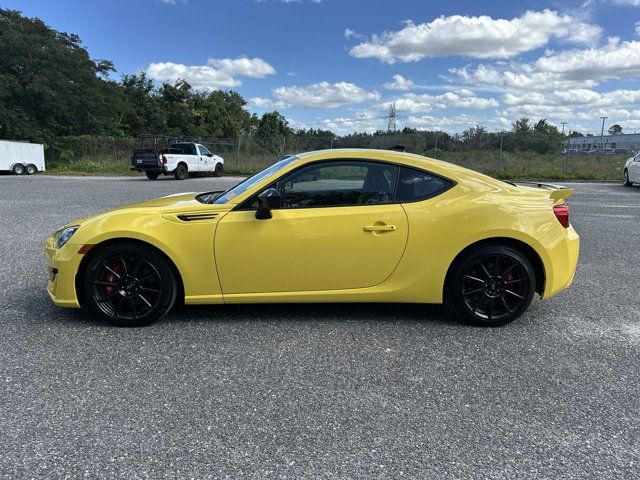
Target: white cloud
{"points": [[631, 3], [246, 67], [479, 37], [317, 95], [349, 33], [399, 83], [412, 102], [638, 29], [173, 2], [457, 122], [217, 73], [515, 77], [614, 60]]}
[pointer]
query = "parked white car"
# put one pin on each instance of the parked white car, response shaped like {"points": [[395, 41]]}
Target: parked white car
{"points": [[632, 171], [181, 159], [21, 157]]}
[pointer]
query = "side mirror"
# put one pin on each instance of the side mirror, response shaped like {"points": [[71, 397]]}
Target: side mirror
{"points": [[270, 199], [210, 155]]}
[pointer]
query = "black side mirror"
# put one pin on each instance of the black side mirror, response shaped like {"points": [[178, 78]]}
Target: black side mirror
{"points": [[270, 199], [210, 155]]}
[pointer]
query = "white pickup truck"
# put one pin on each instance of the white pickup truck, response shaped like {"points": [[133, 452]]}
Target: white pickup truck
{"points": [[181, 159]]}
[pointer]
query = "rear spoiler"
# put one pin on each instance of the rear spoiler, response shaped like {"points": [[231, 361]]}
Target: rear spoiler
{"points": [[556, 192]]}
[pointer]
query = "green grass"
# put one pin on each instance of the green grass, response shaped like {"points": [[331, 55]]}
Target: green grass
{"points": [[520, 165]]}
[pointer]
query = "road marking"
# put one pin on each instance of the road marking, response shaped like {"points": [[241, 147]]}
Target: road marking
{"points": [[606, 215], [591, 204]]}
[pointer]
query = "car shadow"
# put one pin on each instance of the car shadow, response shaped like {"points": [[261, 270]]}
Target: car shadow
{"points": [[285, 313]]}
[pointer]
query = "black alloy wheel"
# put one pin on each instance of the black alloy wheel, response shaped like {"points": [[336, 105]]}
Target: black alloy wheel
{"points": [[130, 285], [491, 286]]}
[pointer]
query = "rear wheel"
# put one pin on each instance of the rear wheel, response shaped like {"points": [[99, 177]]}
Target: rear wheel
{"points": [[30, 169], [217, 171], [152, 175], [18, 169], [491, 285], [180, 172], [626, 182], [129, 285]]}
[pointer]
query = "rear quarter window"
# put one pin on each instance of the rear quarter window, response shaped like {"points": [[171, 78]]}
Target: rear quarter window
{"points": [[415, 185]]}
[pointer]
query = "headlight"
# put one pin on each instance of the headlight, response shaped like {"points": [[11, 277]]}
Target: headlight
{"points": [[63, 235]]}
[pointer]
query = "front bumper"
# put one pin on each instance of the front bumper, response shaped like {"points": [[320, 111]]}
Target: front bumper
{"points": [[62, 265], [559, 250]]}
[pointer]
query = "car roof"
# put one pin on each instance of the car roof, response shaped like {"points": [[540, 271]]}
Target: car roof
{"points": [[440, 167]]}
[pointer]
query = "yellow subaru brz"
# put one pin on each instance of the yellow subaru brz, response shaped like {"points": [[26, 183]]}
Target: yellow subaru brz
{"points": [[330, 226]]}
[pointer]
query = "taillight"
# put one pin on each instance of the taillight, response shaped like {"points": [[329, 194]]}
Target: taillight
{"points": [[164, 160], [562, 214]]}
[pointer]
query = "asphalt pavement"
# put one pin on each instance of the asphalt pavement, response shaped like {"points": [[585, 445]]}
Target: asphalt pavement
{"points": [[317, 391]]}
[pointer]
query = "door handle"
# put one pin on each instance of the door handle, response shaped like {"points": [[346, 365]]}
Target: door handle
{"points": [[379, 228]]}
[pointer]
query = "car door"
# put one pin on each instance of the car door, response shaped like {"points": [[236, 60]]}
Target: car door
{"points": [[634, 169], [204, 159], [338, 228]]}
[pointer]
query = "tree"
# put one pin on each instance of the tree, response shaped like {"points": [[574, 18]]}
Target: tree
{"points": [[615, 129], [48, 84], [272, 132]]}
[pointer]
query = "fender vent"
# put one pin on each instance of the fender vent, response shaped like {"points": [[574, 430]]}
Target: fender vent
{"points": [[197, 216]]}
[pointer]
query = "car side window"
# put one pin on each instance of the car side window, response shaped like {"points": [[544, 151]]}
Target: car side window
{"points": [[342, 183], [203, 150], [414, 185]]}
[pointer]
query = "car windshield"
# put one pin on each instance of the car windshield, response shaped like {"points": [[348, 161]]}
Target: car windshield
{"points": [[251, 181]]}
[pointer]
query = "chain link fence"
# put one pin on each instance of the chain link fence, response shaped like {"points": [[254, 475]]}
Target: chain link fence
{"points": [[248, 154]]}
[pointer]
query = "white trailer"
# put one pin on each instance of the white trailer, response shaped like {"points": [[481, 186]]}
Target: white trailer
{"points": [[21, 157]]}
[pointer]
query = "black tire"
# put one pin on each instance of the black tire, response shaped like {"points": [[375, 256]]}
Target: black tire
{"points": [[180, 173], [626, 182], [152, 175], [30, 169], [17, 169], [490, 286], [218, 169], [129, 285]]}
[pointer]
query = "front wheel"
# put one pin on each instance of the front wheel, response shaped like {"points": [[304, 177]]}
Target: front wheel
{"points": [[626, 182], [491, 286], [18, 169], [217, 171], [129, 285]]}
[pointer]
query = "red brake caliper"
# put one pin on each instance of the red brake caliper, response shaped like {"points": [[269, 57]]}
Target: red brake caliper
{"points": [[111, 278]]}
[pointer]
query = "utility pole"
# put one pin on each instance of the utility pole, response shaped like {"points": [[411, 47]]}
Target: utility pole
{"points": [[565, 165], [435, 148], [563, 124], [602, 134], [500, 156]]}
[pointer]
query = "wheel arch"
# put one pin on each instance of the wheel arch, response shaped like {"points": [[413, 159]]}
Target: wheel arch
{"points": [[79, 280], [527, 250]]}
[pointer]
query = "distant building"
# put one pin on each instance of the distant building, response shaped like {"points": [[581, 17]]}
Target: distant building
{"points": [[620, 142]]}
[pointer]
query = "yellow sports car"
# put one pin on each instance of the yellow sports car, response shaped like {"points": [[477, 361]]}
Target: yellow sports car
{"points": [[330, 226]]}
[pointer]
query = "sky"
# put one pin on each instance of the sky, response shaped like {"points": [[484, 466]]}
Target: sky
{"points": [[340, 64]]}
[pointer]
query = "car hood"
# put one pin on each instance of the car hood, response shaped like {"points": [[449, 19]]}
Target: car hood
{"points": [[182, 202]]}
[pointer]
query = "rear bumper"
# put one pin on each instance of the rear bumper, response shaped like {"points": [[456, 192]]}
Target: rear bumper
{"points": [[559, 250], [62, 265]]}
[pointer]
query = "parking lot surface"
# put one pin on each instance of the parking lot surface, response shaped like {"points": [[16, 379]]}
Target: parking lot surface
{"points": [[317, 391]]}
